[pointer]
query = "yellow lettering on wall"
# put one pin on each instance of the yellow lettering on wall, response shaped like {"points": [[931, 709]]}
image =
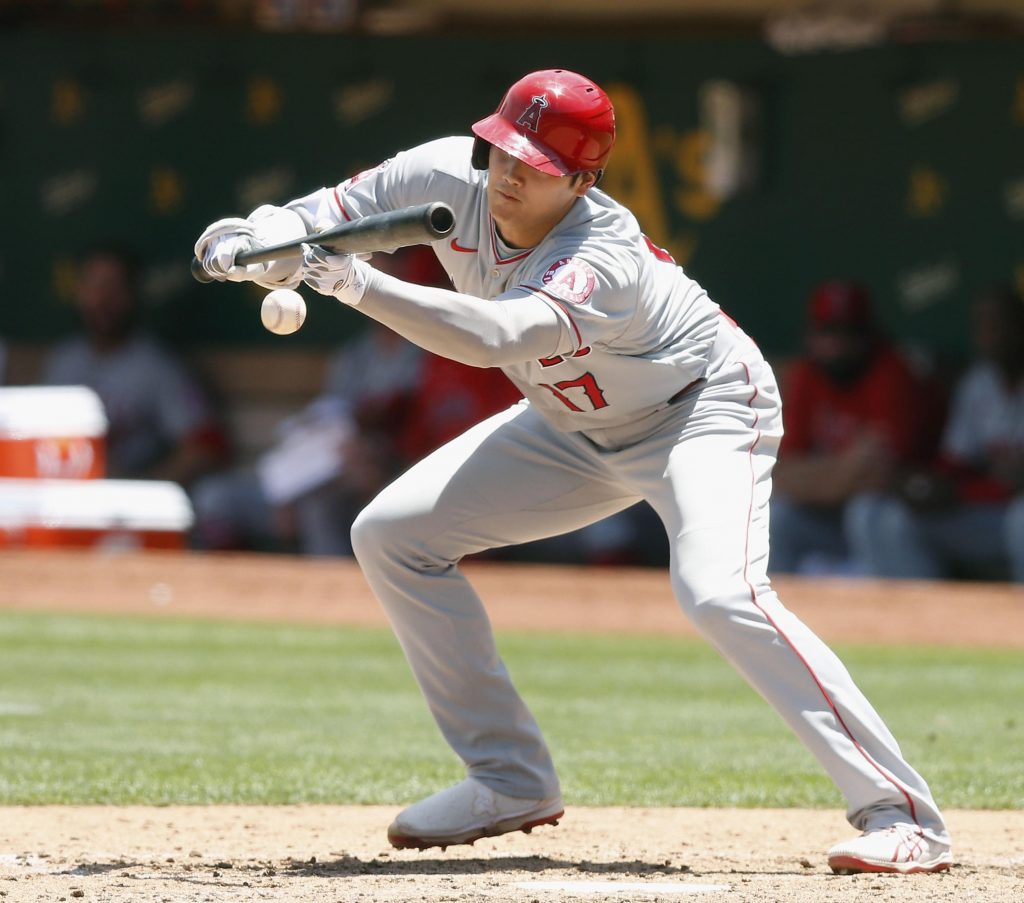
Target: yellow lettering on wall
{"points": [[64, 278], [631, 177], [693, 198], [66, 102], [166, 191], [264, 101], [927, 192], [683, 246]]}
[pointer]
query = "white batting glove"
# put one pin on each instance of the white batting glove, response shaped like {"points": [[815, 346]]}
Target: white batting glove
{"points": [[342, 276], [218, 245], [275, 226]]}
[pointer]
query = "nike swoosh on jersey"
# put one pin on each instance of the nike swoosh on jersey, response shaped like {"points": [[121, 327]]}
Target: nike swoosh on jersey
{"points": [[455, 246]]}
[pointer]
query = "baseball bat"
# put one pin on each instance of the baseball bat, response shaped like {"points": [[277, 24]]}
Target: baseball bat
{"points": [[376, 232]]}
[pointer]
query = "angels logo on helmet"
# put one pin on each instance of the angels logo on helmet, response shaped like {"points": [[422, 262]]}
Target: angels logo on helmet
{"points": [[531, 115]]}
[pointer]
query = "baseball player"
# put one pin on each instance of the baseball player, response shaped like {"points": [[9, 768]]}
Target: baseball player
{"points": [[637, 386]]}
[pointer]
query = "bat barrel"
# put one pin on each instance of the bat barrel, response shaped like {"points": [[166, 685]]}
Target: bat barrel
{"points": [[440, 219], [376, 232]]}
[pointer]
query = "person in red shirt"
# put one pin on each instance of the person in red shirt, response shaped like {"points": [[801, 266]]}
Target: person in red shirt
{"points": [[964, 516], [854, 416], [450, 398]]}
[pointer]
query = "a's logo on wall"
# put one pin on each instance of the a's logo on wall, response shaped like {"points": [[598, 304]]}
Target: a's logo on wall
{"points": [[531, 115]]}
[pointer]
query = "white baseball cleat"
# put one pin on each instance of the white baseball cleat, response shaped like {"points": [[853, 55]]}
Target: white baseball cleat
{"points": [[899, 848], [465, 813]]}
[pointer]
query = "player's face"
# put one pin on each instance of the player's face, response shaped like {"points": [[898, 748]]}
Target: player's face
{"points": [[526, 203]]}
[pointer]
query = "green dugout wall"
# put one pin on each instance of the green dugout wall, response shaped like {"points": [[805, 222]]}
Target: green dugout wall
{"points": [[899, 166]]}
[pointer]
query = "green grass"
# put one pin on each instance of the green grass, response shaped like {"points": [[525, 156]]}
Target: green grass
{"points": [[118, 710]]}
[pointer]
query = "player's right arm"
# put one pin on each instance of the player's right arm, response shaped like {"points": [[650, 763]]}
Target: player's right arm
{"points": [[407, 179]]}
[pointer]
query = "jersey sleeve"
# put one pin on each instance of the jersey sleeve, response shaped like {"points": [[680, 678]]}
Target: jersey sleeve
{"points": [[419, 175], [412, 177], [594, 303]]}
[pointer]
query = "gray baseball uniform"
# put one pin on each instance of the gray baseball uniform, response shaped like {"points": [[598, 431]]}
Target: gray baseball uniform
{"points": [[637, 387]]}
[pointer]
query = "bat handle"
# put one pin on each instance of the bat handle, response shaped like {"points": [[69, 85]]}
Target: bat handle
{"points": [[198, 273]]}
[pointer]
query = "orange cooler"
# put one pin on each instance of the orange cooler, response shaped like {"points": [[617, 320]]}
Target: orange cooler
{"points": [[52, 432], [103, 514]]}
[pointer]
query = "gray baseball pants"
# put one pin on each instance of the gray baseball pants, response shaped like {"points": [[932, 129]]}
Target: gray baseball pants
{"points": [[706, 471]]}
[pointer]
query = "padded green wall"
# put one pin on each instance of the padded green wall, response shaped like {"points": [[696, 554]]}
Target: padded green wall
{"points": [[900, 166]]}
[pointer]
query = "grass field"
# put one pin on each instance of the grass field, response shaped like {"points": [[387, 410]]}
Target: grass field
{"points": [[138, 710]]}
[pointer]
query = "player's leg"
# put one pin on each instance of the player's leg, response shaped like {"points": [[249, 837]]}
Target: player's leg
{"points": [[509, 480], [711, 490]]}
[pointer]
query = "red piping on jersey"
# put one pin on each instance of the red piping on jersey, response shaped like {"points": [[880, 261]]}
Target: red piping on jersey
{"points": [[564, 310], [341, 205], [494, 247], [455, 246], [753, 598]]}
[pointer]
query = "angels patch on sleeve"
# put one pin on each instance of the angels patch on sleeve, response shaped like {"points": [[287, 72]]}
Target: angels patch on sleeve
{"points": [[570, 279]]}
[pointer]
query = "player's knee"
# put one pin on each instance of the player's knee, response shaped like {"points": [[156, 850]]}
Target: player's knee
{"points": [[702, 600], [383, 534], [370, 535]]}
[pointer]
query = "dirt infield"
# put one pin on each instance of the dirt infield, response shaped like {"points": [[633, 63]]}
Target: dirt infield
{"points": [[518, 597], [329, 853], [319, 853]]}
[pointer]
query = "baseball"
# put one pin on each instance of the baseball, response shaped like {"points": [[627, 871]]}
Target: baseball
{"points": [[283, 311]]}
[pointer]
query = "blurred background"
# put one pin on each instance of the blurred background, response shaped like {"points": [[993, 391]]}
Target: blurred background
{"points": [[773, 147]]}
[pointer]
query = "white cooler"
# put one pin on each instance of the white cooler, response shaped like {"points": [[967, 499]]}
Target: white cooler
{"points": [[52, 432], [107, 514]]}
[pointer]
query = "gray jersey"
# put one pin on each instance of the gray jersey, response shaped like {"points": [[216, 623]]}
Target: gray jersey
{"points": [[637, 330]]}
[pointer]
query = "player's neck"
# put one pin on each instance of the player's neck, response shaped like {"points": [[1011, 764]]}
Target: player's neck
{"points": [[516, 244], [524, 235]]}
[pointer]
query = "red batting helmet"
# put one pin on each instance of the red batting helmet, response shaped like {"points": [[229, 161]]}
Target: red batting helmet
{"points": [[554, 120]]}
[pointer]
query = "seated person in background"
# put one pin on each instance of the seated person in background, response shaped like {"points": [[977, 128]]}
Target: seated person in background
{"points": [[385, 403], [965, 517], [449, 399], [852, 414], [161, 425], [368, 396]]}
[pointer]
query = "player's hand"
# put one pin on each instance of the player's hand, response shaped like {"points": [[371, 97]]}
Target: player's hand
{"points": [[218, 245], [276, 226], [342, 276]]}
